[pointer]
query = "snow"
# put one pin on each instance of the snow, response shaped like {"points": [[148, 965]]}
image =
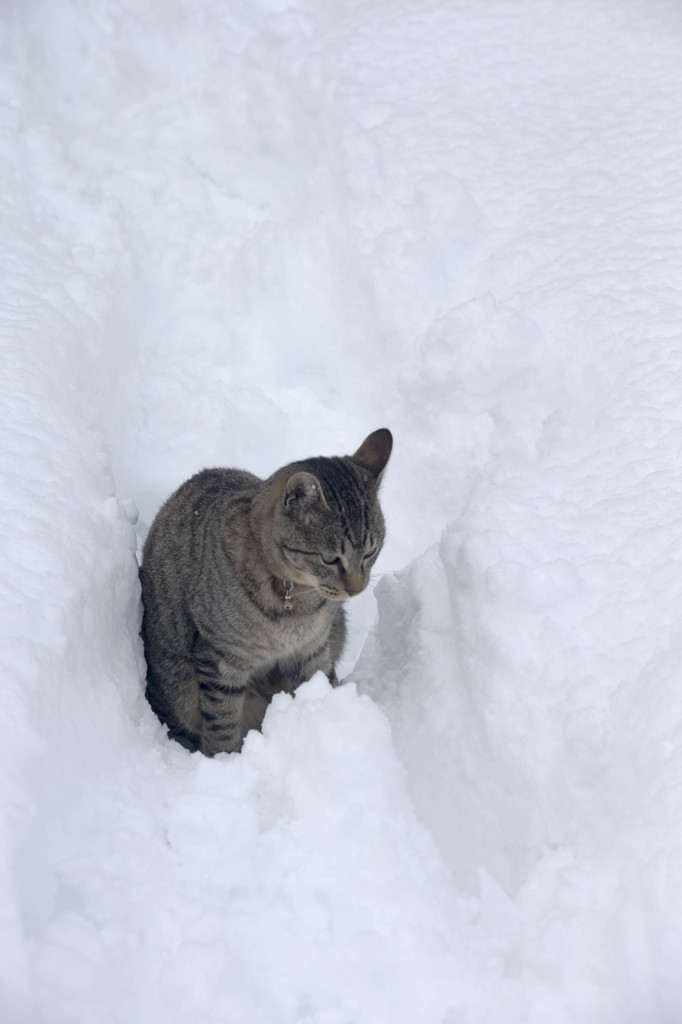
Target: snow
{"points": [[239, 234]]}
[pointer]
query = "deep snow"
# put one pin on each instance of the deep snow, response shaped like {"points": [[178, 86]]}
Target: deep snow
{"points": [[241, 233]]}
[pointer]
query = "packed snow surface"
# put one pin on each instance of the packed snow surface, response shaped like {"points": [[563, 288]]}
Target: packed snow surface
{"points": [[241, 233]]}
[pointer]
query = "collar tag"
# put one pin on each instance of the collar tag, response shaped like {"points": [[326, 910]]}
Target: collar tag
{"points": [[288, 591]]}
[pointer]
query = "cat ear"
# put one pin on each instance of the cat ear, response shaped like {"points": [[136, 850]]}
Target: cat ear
{"points": [[302, 487], [374, 452]]}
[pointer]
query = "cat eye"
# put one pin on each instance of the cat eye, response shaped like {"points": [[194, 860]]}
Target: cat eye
{"points": [[298, 551], [369, 554], [331, 561]]}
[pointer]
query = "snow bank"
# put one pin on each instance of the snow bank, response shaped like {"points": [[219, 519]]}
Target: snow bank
{"points": [[70, 600], [545, 763], [287, 883]]}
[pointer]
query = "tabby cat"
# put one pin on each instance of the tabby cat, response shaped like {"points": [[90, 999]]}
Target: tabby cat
{"points": [[242, 584]]}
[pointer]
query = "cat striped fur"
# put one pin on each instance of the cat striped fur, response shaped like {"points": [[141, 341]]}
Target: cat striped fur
{"points": [[242, 586]]}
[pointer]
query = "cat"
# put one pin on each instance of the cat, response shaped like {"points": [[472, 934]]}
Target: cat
{"points": [[242, 587]]}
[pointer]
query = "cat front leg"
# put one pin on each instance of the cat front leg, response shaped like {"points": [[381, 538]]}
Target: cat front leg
{"points": [[326, 657], [222, 691], [299, 669], [222, 711]]}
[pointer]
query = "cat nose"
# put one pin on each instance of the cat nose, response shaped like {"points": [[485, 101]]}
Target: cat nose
{"points": [[354, 583]]}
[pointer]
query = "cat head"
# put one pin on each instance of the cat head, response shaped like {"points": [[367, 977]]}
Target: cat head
{"points": [[327, 527]]}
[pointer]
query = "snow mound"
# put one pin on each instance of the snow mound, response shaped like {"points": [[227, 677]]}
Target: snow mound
{"points": [[291, 882], [537, 710]]}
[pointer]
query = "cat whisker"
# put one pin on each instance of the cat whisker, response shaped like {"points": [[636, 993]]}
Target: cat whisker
{"points": [[375, 579]]}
